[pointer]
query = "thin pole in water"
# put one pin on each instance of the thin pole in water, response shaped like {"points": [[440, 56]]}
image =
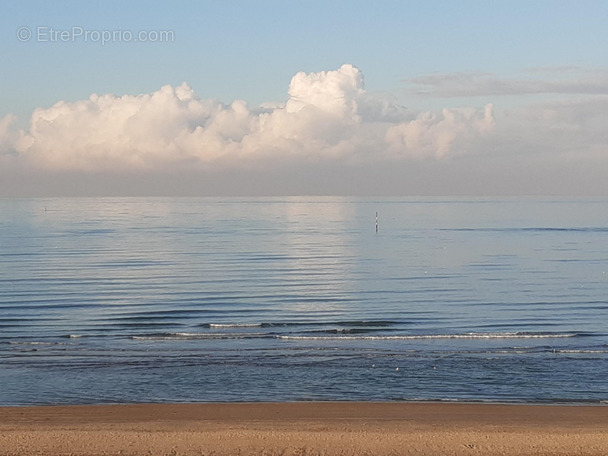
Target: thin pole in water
{"points": [[376, 222]]}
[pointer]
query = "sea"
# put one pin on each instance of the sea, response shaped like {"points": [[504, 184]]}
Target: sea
{"points": [[187, 300]]}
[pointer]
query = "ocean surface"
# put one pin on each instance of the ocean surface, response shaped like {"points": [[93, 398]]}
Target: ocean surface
{"points": [[112, 300]]}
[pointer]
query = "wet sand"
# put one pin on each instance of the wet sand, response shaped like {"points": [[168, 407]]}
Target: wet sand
{"points": [[342, 428]]}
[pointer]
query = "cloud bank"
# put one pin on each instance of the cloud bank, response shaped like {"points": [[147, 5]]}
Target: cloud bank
{"points": [[330, 136], [328, 116]]}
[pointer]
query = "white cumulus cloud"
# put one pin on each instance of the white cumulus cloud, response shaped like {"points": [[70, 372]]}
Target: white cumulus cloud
{"points": [[328, 116], [451, 131]]}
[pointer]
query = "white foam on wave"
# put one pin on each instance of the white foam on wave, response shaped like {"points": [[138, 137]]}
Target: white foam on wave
{"points": [[583, 351], [230, 335], [234, 325], [435, 336], [194, 336], [32, 343]]}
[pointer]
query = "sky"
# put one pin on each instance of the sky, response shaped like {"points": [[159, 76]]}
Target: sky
{"points": [[403, 98]]}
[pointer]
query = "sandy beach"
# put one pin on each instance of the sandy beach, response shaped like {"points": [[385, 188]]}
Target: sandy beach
{"points": [[305, 429]]}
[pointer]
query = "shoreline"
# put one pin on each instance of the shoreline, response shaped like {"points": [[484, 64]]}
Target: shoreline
{"points": [[305, 428]]}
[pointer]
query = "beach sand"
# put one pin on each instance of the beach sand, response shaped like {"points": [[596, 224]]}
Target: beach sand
{"points": [[307, 428]]}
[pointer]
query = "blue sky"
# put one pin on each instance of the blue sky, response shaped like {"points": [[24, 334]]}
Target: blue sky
{"points": [[250, 50], [231, 50]]}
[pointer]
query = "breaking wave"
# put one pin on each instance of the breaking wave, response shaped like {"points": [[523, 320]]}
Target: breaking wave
{"points": [[344, 336]]}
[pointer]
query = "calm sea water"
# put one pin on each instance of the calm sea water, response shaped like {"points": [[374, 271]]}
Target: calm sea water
{"points": [[200, 299]]}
